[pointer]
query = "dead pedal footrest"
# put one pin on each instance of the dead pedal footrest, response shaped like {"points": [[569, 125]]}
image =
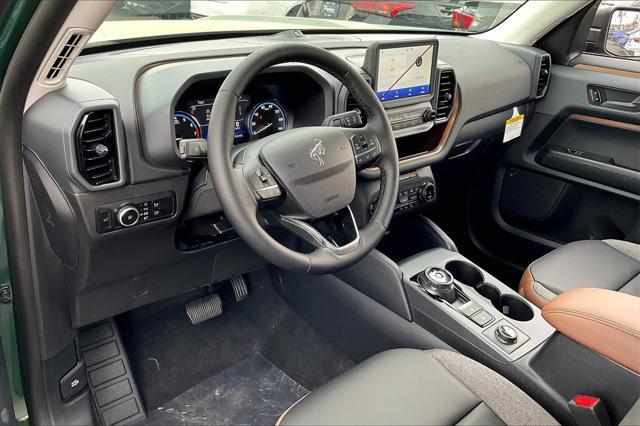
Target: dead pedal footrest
{"points": [[113, 390]]}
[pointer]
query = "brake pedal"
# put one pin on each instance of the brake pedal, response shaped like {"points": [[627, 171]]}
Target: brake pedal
{"points": [[239, 287], [204, 309]]}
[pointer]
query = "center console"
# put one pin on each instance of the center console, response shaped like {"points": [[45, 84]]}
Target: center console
{"points": [[446, 289]]}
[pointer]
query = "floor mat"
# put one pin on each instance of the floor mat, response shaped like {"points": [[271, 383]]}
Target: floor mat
{"points": [[252, 392], [169, 355]]}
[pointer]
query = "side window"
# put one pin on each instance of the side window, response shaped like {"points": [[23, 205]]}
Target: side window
{"points": [[616, 30]]}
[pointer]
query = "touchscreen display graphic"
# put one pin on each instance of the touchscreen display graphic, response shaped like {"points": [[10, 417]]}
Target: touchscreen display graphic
{"points": [[404, 72]]}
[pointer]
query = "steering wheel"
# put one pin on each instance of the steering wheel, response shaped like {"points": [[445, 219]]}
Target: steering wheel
{"points": [[303, 179]]}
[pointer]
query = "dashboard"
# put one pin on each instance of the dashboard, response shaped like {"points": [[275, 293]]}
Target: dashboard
{"points": [[253, 119], [139, 195], [267, 107]]}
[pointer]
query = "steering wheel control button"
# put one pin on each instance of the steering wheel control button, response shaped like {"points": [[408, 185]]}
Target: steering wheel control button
{"points": [[264, 184], [438, 282], [506, 334], [365, 148], [482, 318], [128, 216], [349, 119]]}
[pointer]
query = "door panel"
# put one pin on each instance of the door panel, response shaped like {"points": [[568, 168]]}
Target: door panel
{"points": [[574, 173], [599, 150]]}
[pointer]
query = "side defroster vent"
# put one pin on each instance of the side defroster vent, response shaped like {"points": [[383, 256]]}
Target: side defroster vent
{"points": [[544, 73], [62, 56], [61, 60], [97, 148], [446, 93]]}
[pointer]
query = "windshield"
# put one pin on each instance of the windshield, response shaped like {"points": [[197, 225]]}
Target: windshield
{"points": [[165, 18]]}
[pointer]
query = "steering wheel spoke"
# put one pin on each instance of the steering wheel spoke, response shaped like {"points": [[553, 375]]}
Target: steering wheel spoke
{"points": [[336, 232]]}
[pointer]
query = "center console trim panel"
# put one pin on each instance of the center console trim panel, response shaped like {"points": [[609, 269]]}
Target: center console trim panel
{"points": [[533, 332]]}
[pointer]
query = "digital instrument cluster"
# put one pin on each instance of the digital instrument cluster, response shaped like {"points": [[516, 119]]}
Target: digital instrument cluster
{"points": [[255, 119]]}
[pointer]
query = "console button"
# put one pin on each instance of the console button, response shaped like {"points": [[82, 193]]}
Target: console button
{"points": [[469, 308], [103, 220], [482, 318], [506, 334]]}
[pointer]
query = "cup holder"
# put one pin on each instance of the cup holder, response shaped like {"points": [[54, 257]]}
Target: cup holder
{"points": [[465, 273], [510, 306], [515, 308], [491, 293]]}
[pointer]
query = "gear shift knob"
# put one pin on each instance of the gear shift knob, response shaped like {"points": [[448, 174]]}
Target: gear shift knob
{"points": [[438, 282]]}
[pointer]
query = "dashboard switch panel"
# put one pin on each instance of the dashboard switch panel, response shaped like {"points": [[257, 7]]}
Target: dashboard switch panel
{"points": [[414, 192], [131, 213]]}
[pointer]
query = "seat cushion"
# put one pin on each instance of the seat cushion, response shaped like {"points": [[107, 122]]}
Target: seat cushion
{"points": [[609, 265], [414, 387]]}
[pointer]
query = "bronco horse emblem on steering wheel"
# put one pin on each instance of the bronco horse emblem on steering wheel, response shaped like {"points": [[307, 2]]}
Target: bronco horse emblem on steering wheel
{"points": [[318, 151]]}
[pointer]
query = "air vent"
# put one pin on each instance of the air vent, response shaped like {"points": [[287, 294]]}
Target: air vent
{"points": [[63, 56], [544, 73], [446, 93], [96, 148]]}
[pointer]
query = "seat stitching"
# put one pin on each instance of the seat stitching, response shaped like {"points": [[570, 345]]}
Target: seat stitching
{"points": [[594, 318]]}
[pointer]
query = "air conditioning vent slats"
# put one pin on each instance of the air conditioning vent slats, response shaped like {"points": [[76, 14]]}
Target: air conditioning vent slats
{"points": [[446, 93], [68, 50], [97, 149], [544, 74]]}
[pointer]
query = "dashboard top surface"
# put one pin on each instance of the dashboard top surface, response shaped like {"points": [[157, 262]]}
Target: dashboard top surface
{"points": [[147, 80]]}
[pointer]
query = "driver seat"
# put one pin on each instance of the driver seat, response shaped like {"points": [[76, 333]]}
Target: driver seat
{"points": [[415, 387]]}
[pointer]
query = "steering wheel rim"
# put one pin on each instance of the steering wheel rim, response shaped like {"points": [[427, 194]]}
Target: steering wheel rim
{"points": [[235, 194]]}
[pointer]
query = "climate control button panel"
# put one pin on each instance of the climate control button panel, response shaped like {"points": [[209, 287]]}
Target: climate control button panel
{"points": [[130, 213]]}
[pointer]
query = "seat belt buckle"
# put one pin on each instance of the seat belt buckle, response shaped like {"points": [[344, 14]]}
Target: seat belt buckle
{"points": [[589, 411]]}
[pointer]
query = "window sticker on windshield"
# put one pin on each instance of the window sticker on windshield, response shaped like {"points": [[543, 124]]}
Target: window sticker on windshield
{"points": [[513, 128]]}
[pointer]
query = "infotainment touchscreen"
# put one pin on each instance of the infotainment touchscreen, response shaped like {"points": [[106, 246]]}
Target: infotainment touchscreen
{"points": [[402, 69], [404, 72]]}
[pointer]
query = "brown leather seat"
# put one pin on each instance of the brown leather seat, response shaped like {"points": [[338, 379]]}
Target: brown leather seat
{"points": [[609, 264]]}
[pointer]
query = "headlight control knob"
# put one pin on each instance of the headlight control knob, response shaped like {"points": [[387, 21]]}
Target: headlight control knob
{"points": [[128, 216]]}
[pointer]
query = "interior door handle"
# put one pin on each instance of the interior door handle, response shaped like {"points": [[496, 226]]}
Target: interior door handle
{"points": [[633, 106]]}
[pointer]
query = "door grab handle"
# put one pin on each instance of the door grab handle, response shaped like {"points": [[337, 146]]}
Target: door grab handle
{"points": [[633, 106]]}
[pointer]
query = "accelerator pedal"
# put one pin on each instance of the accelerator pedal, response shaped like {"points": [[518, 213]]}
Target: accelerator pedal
{"points": [[204, 309], [239, 287]]}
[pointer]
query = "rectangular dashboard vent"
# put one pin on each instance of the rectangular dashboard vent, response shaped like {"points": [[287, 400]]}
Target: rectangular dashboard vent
{"points": [[544, 73], [446, 93], [67, 50], [97, 148]]}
